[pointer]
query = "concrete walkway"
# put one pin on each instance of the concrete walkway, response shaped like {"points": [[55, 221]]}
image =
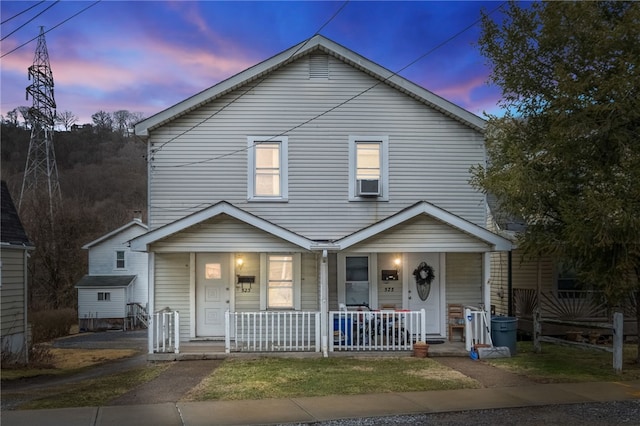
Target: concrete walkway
{"points": [[304, 410]]}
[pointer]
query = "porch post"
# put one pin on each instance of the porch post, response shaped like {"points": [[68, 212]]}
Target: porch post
{"points": [[151, 300], [324, 303], [486, 280]]}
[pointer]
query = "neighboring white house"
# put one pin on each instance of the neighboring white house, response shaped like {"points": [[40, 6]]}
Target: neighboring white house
{"points": [[14, 252], [115, 292], [314, 179]]}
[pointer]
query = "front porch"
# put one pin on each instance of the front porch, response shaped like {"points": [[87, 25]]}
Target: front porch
{"points": [[300, 334]]}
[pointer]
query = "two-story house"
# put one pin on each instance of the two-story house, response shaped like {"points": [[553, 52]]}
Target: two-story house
{"points": [[114, 294], [313, 181]]}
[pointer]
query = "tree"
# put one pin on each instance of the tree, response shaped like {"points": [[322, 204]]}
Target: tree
{"points": [[120, 120], [66, 119], [102, 121], [566, 154]]}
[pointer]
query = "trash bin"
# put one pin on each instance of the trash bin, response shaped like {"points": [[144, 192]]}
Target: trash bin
{"points": [[504, 331], [342, 331]]}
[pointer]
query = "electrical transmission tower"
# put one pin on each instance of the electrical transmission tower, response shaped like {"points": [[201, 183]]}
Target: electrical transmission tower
{"points": [[41, 172]]}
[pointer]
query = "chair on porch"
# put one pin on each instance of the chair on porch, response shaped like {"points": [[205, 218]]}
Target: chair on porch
{"points": [[455, 314]]}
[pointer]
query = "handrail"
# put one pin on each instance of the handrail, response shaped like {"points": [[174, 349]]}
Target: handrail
{"points": [[166, 331], [477, 327]]}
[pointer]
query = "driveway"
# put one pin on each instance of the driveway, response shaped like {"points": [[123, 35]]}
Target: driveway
{"points": [[136, 339]]}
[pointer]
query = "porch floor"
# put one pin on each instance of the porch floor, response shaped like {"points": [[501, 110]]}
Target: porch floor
{"points": [[215, 350]]}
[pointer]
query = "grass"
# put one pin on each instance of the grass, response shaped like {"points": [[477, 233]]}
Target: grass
{"points": [[66, 362], [239, 379], [95, 392], [561, 364]]}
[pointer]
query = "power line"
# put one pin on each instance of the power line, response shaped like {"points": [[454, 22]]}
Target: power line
{"points": [[430, 51], [23, 25], [248, 90], [20, 13], [53, 28]]}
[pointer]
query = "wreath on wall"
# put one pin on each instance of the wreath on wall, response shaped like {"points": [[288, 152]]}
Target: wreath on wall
{"points": [[424, 277]]}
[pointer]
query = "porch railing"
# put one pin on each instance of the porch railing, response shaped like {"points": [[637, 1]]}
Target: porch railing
{"points": [[165, 331], [272, 331], [477, 329], [376, 330], [137, 315]]}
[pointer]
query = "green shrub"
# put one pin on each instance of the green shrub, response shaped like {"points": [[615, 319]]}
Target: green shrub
{"points": [[49, 325]]}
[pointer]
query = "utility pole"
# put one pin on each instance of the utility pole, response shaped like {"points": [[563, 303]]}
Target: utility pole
{"points": [[41, 172]]}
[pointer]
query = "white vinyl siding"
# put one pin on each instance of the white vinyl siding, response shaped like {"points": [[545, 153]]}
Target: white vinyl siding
{"points": [[464, 278], [389, 291], [429, 157], [420, 234], [223, 234], [91, 306], [172, 288]]}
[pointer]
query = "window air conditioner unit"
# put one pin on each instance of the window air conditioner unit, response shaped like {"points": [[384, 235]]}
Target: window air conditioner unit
{"points": [[368, 187]]}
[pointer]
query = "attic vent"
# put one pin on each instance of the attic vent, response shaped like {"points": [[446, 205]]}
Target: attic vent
{"points": [[319, 66]]}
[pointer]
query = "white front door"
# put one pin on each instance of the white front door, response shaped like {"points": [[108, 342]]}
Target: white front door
{"points": [[432, 303], [213, 281]]}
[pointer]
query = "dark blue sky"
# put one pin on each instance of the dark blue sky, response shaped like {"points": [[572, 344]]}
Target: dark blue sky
{"points": [[144, 56]]}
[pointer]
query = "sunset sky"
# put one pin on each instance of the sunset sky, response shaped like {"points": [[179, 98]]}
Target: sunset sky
{"points": [[145, 56]]}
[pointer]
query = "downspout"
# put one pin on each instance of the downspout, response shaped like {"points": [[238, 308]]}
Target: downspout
{"points": [[324, 304], [509, 284]]}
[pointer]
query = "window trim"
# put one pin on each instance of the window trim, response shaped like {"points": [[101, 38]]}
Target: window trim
{"points": [[124, 260], [384, 167], [106, 296], [284, 167], [264, 281], [373, 276]]}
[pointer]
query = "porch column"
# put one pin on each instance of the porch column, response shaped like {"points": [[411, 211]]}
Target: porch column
{"points": [[324, 303], [486, 280], [151, 300]]}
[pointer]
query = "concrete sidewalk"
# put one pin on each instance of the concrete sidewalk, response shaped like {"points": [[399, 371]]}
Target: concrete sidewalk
{"points": [[303, 410]]}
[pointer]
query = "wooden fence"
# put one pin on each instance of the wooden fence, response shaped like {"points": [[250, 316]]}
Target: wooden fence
{"points": [[616, 327]]}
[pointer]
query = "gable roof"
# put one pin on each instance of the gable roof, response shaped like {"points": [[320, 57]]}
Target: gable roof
{"points": [[316, 43], [495, 241], [134, 222], [142, 242], [11, 230]]}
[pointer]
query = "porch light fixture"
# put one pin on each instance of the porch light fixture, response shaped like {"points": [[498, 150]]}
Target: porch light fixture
{"points": [[397, 261]]}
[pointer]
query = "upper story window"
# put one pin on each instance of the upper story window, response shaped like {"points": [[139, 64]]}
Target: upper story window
{"points": [[120, 263], [368, 168], [268, 168]]}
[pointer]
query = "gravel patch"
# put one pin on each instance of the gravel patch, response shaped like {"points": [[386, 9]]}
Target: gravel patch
{"points": [[590, 414]]}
